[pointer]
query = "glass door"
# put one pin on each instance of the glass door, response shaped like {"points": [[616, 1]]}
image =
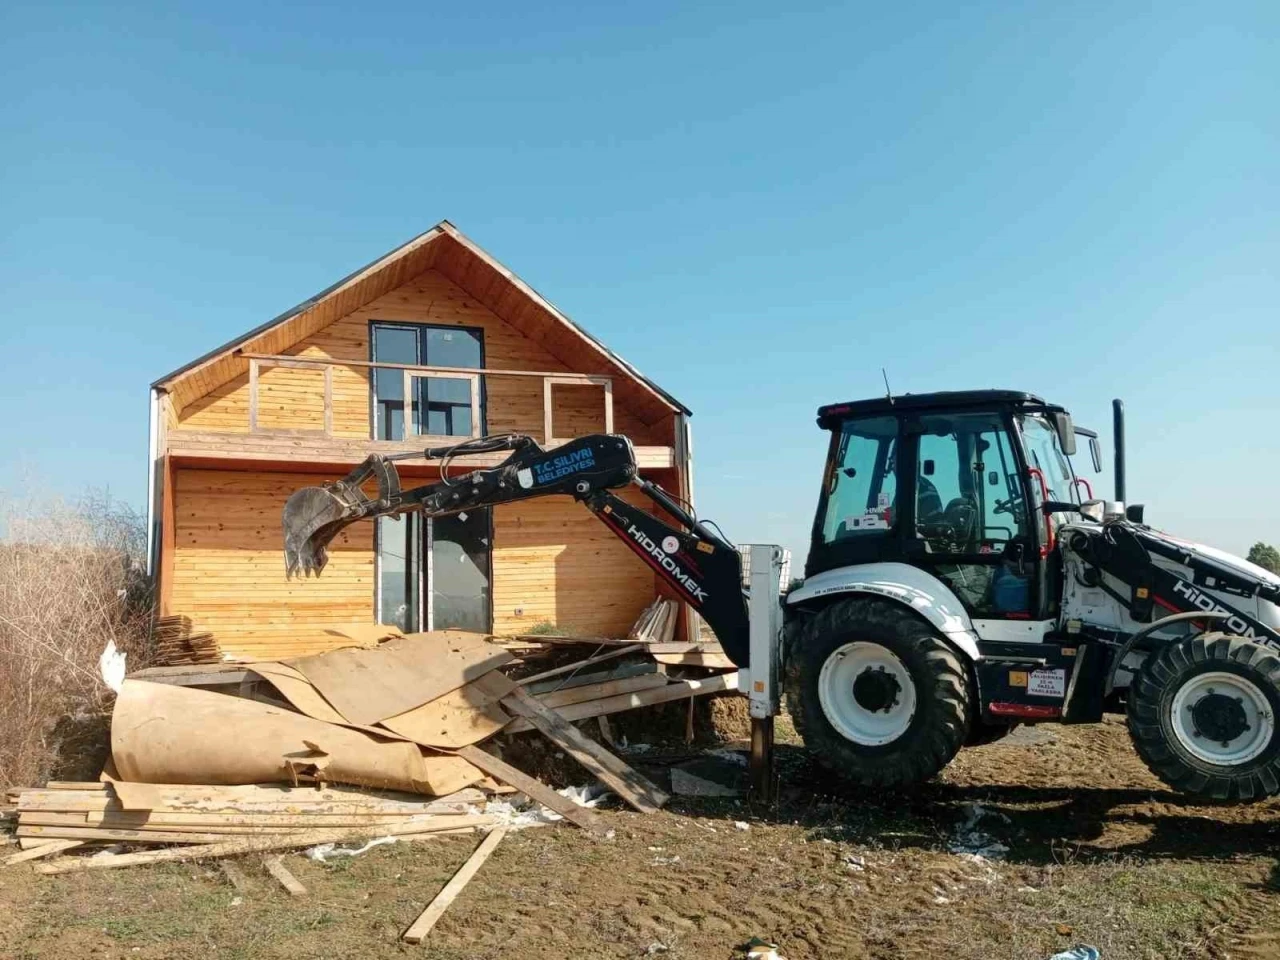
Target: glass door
{"points": [[451, 590], [459, 572]]}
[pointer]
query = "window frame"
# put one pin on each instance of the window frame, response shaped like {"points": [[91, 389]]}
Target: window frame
{"points": [[419, 330]]}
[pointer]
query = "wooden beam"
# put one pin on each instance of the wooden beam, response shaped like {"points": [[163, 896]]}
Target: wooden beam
{"points": [[314, 362], [677, 690], [232, 848], [328, 401], [315, 453], [274, 865], [253, 396], [168, 536], [636, 789], [44, 850], [571, 667], [534, 789], [419, 929], [235, 877]]}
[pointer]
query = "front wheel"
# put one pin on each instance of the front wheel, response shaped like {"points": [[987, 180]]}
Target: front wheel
{"points": [[876, 694], [1202, 715]]}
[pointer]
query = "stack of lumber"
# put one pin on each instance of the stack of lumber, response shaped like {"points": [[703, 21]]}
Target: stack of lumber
{"points": [[177, 644], [68, 814], [657, 624]]}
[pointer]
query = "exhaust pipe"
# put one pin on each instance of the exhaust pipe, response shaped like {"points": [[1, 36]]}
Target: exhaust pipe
{"points": [[1117, 432]]}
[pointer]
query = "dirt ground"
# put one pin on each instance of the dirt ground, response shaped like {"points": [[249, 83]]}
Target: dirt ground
{"points": [[1097, 852]]}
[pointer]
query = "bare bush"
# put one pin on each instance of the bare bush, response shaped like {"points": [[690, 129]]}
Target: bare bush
{"points": [[72, 578]]}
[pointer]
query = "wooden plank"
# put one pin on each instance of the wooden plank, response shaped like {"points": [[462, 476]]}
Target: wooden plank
{"points": [[680, 647], [132, 836], [419, 929], [91, 786], [43, 850], [233, 848], [597, 691], [250, 800], [235, 877], [714, 661], [636, 789], [534, 789], [677, 690], [205, 675], [207, 823], [572, 667], [274, 865]]}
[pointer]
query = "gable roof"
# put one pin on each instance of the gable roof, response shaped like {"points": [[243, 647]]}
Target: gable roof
{"points": [[445, 249]]}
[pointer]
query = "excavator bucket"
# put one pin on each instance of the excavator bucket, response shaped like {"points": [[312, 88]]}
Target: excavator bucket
{"points": [[313, 516]]}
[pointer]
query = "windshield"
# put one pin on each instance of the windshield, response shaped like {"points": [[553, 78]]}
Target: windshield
{"points": [[1044, 453]]}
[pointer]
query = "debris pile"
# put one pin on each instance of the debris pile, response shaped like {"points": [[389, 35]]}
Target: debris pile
{"points": [[389, 735]]}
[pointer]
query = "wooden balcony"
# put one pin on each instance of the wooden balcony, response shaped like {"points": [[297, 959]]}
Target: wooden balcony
{"points": [[317, 412]]}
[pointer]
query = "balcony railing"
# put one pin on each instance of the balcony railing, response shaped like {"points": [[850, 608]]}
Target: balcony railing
{"points": [[317, 403]]}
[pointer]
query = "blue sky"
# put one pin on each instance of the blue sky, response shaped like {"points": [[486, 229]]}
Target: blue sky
{"points": [[759, 206]]}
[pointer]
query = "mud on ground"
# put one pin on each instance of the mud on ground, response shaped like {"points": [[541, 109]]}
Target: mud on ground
{"points": [[1077, 844]]}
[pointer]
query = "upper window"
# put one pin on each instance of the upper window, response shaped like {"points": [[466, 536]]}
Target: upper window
{"points": [[968, 496], [862, 485], [440, 405]]}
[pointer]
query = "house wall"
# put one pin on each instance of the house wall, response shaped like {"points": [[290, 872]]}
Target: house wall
{"points": [[552, 562], [292, 398]]}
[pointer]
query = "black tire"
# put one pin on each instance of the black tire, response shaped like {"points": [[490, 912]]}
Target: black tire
{"points": [[1150, 717], [940, 724]]}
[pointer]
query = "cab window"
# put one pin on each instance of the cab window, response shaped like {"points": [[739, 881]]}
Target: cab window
{"points": [[862, 488], [968, 497], [1044, 453]]}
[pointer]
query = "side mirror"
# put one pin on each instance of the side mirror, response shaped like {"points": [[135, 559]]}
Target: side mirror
{"points": [[1066, 432], [928, 468], [1095, 451], [1134, 512]]}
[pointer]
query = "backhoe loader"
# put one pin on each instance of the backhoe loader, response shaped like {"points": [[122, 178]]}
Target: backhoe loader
{"points": [[961, 580]]}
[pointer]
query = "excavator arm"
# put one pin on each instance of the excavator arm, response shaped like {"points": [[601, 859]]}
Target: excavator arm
{"points": [[701, 567]]}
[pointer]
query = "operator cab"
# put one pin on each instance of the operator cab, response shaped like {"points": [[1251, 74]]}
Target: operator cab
{"points": [[951, 483]]}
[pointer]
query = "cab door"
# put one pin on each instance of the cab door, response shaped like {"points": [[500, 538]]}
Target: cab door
{"points": [[970, 525]]}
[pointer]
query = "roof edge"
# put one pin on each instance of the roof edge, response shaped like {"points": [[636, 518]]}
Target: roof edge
{"points": [[438, 230], [550, 307]]}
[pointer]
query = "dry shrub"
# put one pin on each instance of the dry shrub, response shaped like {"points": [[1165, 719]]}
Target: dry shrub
{"points": [[72, 578]]}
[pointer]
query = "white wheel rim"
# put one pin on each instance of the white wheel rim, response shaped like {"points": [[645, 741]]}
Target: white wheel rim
{"points": [[852, 720], [1257, 713]]}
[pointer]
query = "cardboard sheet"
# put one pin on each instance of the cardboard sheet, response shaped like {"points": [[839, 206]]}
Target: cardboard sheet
{"points": [[161, 733], [460, 717], [366, 686]]}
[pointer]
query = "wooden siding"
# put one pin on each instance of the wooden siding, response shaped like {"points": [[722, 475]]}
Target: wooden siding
{"points": [[555, 563], [513, 404], [228, 564], [552, 562]]}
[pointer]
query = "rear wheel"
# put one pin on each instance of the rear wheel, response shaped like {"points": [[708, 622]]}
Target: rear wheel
{"points": [[1202, 714], [877, 695]]}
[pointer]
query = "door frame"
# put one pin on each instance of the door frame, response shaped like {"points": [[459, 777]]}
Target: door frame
{"points": [[427, 570], [424, 561]]}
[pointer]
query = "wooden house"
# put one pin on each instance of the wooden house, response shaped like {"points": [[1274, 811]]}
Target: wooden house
{"points": [[307, 395]]}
